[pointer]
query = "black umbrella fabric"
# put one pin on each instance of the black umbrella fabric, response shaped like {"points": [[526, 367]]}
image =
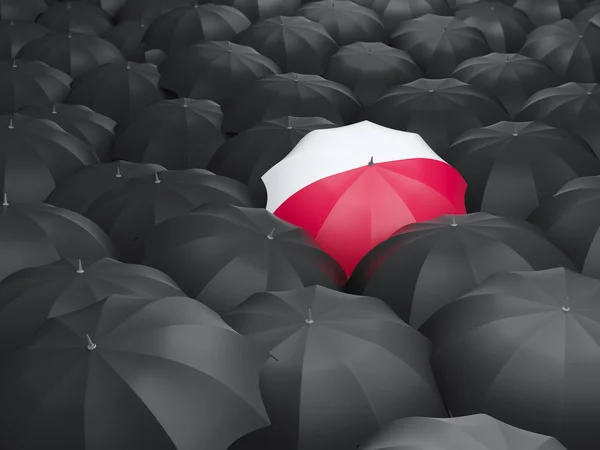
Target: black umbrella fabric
{"points": [[341, 366], [580, 183], [295, 44], [222, 254], [512, 167], [572, 106], [25, 83], [78, 191], [31, 296], [118, 90], [510, 77], [217, 71], [427, 265], [291, 94], [15, 34], [111, 7], [132, 372], [522, 348], [395, 12], [21, 9], [438, 43], [438, 110], [183, 27], [549, 11], [589, 13], [256, 10], [475, 432], [128, 38], [75, 17], [371, 68], [149, 10]]}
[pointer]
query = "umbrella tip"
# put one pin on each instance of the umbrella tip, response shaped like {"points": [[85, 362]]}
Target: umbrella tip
{"points": [[91, 345], [371, 163], [271, 235], [185, 103], [14, 63], [309, 320], [142, 22], [4, 199], [229, 47], [128, 65], [453, 224], [69, 36], [54, 108], [566, 308], [80, 266], [118, 175], [156, 179], [10, 123]]}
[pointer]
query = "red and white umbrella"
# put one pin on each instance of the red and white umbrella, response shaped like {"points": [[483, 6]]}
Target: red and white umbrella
{"points": [[352, 187]]}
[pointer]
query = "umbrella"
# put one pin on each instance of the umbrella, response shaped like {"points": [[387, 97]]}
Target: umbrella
{"points": [[132, 372], [177, 134], [395, 12], [222, 254], [381, 179], [549, 11], [149, 10], [371, 68], [427, 265], [217, 71], [118, 90], [512, 167], [183, 27], [570, 49], [290, 94], [511, 78], [24, 83], [73, 53], [589, 13], [341, 366], [34, 234], [35, 154], [257, 10], [109, 6], [78, 191], [128, 38], [437, 110], [438, 43], [30, 297], [75, 17], [15, 34], [21, 9], [580, 183], [475, 432], [504, 27], [572, 106], [522, 348], [295, 44]]}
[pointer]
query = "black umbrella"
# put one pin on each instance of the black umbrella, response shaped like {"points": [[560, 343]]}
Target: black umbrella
{"points": [[572, 106], [427, 265], [222, 254], [183, 27], [75, 17], [291, 94], [217, 71], [549, 11], [112, 7], [177, 134], [395, 12], [475, 432], [341, 366], [589, 13], [118, 90], [295, 44], [78, 191], [132, 372], [438, 110], [512, 167], [522, 348], [149, 10], [15, 34], [73, 53], [511, 78], [257, 10], [128, 38], [580, 183], [438, 43], [371, 68], [24, 83], [21, 9], [31, 296]]}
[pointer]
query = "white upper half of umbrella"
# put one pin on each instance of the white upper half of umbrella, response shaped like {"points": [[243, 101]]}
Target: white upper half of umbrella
{"points": [[323, 153]]}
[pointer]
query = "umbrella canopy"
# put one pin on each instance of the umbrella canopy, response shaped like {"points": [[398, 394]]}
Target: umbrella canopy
{"points": [[371, 68], [512, 167], [15, 34], [78, 191], [549, 11], [476, 432], [290, 94], [395, 12], [31, 296], [109, 6], [522, 348], [438, 43], [177, 134], [128, 38], [580, 183], [183, 27], [46, 234], [256, 10], [511, 78], [118, 90], [73, 53], [155, 373], [437, 110], [295, 44], [217, 71], [341, 366], [589, 13], [21, 9], [25, 83], [149, 10], [571, 106], [382, 178], [222, 254], [427, 265], [75, 17]]}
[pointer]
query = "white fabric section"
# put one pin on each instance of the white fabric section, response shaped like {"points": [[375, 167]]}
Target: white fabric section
{"points": [[327, 152]]}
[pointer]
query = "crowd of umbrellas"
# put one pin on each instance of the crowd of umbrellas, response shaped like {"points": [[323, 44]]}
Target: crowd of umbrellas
{"points": [[299, 224]]}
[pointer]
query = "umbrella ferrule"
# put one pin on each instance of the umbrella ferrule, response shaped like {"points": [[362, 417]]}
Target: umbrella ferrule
{"points": [[91, 346]]}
